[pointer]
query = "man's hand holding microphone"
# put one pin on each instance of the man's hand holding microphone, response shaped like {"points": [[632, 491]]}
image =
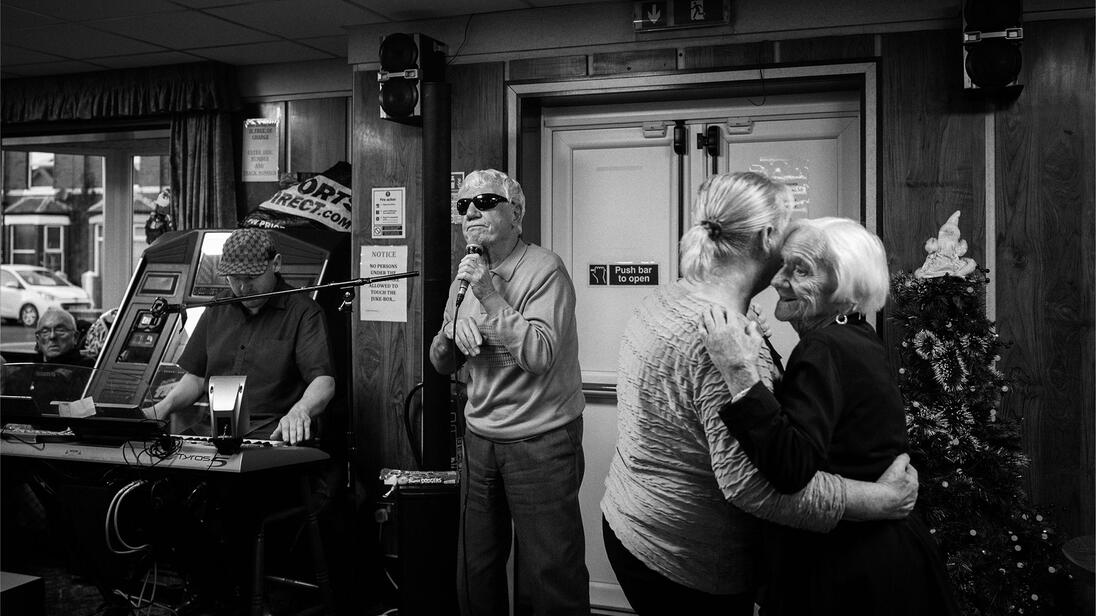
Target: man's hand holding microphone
{"points": [[473, 272]]}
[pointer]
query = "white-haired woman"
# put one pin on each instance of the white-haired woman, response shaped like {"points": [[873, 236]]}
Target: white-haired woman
{"points": [[681, 496], [837, 409]]}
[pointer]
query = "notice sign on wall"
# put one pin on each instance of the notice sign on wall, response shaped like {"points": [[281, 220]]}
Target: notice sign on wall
{"points": [[387, 212], [641, 274], [456, 178], [386, 300], [261, 146]]}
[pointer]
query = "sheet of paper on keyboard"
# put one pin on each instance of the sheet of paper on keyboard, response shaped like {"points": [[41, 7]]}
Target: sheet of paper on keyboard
{"points": [[80, 408]]}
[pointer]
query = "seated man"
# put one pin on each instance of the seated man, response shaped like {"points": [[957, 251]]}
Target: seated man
{"points": [[279, 343], [56, 337]]}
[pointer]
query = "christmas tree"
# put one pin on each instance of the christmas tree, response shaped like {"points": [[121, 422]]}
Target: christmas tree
{"points": [[1001, 554]]}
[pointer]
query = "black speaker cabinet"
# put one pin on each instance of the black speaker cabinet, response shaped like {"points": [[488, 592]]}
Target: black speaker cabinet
{"points": [[427, 523]]}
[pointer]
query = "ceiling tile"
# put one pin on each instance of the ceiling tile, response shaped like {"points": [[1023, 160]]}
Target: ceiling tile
{"points": [[148, 59], [294, 19], [204, 4], [92, 9], [76, 41], [262, 53], [15, 19], [52, 68], [184, 30], [17, 55], [407, 10], [336, 45]]}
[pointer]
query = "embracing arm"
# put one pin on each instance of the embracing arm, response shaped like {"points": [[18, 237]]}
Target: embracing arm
{"points": [[825, 499], [821, 502], [891, 497], [788, 439], [787, 446]]}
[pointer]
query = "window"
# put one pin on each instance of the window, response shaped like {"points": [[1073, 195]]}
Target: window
{"points": [[22, 240], [78, 204], [40, 168], [54, 248]]}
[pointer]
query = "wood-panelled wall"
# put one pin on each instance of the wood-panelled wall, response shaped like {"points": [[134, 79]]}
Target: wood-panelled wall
{"points": [[1045, 259], [932, 161]]}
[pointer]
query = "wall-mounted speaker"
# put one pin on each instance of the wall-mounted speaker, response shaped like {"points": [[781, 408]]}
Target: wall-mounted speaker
{"points": [[408, 60], [992, 33]]}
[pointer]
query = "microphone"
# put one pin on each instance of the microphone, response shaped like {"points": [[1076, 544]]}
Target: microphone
{"points": [[473, 249]]}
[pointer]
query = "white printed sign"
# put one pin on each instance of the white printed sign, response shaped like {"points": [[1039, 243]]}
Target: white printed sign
{"points": [[318, 198], [388, 213], [456, 178], [387, 300], [261, 146]]}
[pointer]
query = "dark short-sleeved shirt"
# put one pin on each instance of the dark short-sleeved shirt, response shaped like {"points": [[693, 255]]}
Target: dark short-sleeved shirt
{"points": [[281, 349]]}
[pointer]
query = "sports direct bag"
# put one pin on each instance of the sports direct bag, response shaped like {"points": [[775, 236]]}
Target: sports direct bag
{"points": [[320, 202]]}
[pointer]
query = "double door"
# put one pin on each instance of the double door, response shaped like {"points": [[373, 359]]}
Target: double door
{"points": [[620, 183]]}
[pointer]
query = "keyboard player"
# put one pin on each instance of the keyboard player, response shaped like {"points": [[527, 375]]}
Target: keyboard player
{"points": [[279, 342]]}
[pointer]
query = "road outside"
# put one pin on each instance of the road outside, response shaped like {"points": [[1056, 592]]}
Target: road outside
{"points": [[16, 338]]}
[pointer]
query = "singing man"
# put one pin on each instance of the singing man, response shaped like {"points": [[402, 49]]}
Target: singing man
{"points": [[523, 444]]}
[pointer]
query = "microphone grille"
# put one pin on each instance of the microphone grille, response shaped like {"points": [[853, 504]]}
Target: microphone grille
{"points": [[474, 249]]}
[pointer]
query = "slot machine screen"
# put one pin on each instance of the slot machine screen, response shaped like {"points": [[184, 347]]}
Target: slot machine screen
{"points": [[207, 282]]}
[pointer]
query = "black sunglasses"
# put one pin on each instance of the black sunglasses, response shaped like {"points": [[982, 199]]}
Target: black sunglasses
{"points": [[484, 202]]}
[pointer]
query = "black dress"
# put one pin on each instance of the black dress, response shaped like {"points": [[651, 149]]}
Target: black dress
{"points": [[838, 410]]}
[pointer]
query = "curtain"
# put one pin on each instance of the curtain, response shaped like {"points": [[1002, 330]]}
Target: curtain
{"points": [[202, 171], [199, 99], [130, 93]]}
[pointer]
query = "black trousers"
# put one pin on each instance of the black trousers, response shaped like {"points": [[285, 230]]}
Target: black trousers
{"points": [[654, 594]]}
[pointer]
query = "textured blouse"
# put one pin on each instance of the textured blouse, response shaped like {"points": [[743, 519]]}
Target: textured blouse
{"points": [[681, 494]]}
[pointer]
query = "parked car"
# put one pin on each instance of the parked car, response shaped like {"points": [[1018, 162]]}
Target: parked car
{"points": [[26, 291]]}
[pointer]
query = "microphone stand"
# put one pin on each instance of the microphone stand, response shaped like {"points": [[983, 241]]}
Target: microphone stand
{"points": [[161, 306]]}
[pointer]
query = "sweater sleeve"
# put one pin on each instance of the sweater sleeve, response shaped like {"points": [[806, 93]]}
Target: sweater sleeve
{"points": [[818, 506], [531, 331], [788, 439]]}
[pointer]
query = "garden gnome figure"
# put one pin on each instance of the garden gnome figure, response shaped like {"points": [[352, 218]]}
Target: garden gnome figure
{"points": [[946, 252]]}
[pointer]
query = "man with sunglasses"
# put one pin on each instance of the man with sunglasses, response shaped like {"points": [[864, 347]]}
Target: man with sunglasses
{"points": [[523, 444]]}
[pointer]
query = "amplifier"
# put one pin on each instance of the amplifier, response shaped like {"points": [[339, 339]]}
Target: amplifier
{"points": [[426, 518]]}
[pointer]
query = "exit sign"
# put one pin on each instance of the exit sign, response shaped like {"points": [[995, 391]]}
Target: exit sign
{"points": [[629, 274], [676, 14]]}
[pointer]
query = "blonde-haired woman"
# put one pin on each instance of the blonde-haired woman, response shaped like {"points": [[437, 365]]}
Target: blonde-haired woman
{"points": [[837, 409], [681, 496]]}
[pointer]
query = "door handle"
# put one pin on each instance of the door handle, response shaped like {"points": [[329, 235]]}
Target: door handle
{"points": [[709, 141]]}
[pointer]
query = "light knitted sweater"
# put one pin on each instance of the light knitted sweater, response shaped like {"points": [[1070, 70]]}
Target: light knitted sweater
{"points": [[681, 494], [526, 380]]}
